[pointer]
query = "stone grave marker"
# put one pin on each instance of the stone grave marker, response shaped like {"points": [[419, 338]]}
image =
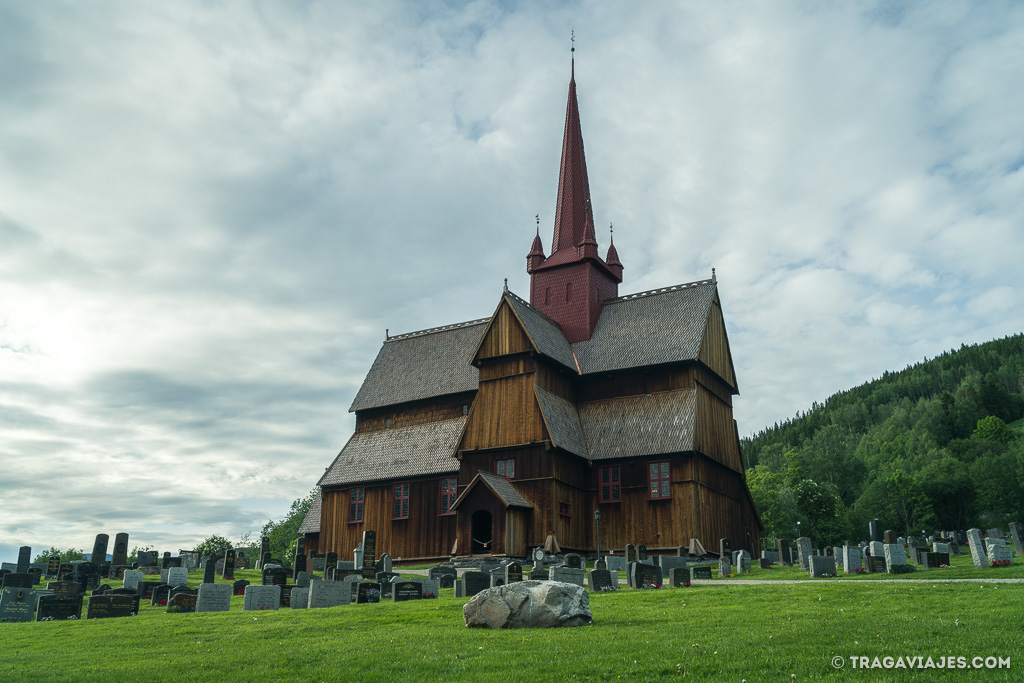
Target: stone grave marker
{"points": [[120, 554], [274, 575], [935, 560], [851, 559], [406, 590], [473, 582], [513, 573], [229, 565], [805, 551], [299, 561], [24, 559], [616, 563], [133, 594], [17, 580], [978, 555], [1017, 536], [894, 555], [213, 597], [724, 567], [261, 598], [183, 602], [889, 537], [536, 574], [940, 547], [99, 551], [59, 607], [785, 558], [573, 561], [876, 565], [771, 555], [994, 533], [368, 592], [331, 560], [497, 576], [53, 566], [876, 548], [600, 564], [822, 566], [764, 564], [302, 579], [189, 560], [601, 580], [299, 598], [642, 574], [65, 588], [369, 548], [641, 554], [160, 595], [165, 563], [210, 571], [146, 589], [238, 587], [703, 573], [678, 577], [630, 553], [146, 558], [110, 606], [177, 576], [264, 556], [1000, 553], [18, 604], [724, 547], [570, 575], [670, 562]]}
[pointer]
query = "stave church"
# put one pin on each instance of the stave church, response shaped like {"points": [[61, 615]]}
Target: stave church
{"points": [[498, 435]]}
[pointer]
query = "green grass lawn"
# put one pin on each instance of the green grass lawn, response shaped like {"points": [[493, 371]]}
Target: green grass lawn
{"points": [[719, 632]]}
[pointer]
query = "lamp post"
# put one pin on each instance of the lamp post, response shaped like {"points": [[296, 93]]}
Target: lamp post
{"points": [[798, 534], [597, 523]]}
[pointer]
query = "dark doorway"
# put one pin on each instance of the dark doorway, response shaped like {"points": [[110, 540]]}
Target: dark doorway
{"points": [[481, 533]]}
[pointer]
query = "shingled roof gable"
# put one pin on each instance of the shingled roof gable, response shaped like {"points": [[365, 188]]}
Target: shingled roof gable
{"points": [[419, 365], [636, 426], [562, 421], [499, 486], [545, 333], [311, 522], [651, 328], [397, 453]]}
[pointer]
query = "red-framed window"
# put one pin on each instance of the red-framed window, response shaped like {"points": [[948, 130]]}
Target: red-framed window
{"points": [[356, 496], [658, 480], [401, 501], [505, 467], [610, 484], [449, 488], [565, 509]]}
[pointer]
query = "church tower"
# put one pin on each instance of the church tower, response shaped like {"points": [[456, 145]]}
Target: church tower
{"points": [[572, 284]]}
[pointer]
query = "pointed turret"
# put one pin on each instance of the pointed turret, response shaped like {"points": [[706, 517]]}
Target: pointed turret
{"points": [[572, 284], [612, 259]]}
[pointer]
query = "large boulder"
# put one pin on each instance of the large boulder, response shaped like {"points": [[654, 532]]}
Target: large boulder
{"points": [[529, 604]]}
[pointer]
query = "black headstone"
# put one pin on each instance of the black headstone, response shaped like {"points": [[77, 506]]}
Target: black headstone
{"points": [[59, 607], [299, 564], [238, 587], [600, 580], [146, 588], [474, 582], [406, 590], [24, 559], [368, 591], [120, 554], [642, 574], [17, 580], [573, 561], [369, 548], [701, 573], [99, 550], [210, 571], [53, 565], [679, 576], [724, 548], [229, 565], [160, 594], [630, 553], [107, 606]]}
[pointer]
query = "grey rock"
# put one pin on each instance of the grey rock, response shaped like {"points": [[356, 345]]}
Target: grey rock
{"points": [[529, 604]]}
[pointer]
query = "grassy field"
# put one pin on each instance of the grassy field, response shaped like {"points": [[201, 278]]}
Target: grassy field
{"points": [[719, 631]]}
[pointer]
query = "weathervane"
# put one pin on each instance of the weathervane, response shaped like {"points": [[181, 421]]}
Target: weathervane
{"points": [[572, 40]]}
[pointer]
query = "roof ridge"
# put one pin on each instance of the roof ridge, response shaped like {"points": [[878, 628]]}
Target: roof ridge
{"points": [[432, 330], [535, 309], [662, 290]]}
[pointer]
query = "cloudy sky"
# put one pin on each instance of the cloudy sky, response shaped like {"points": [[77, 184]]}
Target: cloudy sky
{"points": [[211, 212]]}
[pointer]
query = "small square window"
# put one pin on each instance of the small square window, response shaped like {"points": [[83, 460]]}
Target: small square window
{"points": [[565, 509], [505, 468], [659, 480]]}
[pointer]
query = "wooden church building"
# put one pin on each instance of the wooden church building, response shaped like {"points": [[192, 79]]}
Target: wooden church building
{"points": [[493, 435]]}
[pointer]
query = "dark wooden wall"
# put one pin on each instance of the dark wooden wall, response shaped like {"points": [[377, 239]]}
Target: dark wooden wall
{"points": [[414, 413]]}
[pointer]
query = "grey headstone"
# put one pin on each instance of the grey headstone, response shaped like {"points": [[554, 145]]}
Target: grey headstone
{"points": [[214, 597], [894, 555], [473, 582], [806, 551], [876, 549], [261, 597], [724, 567], [299, 598], [784, 553], [851, 559], [616, 563], [132, 578], [978, 555], [324, 594], [822, 566], [568, 575], [1000, 553], [177, 576], [670, 562]]}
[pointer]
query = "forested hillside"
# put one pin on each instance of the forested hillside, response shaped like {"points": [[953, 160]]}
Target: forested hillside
{"points": [[938, 446]]}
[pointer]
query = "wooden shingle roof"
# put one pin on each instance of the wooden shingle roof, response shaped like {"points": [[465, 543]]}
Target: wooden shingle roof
{"points": [[424, 364], [632, 426], [544, 332], [397, 453], [311, 522], [562, 421], [500, 486]]}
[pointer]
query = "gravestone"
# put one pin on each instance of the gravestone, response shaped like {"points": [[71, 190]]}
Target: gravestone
{"points": [[630, 553], [940, 547], [238, 587], [166, 562], [120, 554], [889, 537], [64, 588], [994, 533], [110, 606], [764, 564], [368, 591], [876, 548], [851, 559], [323, 594], [53, 566], [784, 554], [874, 531], [18, 603], [99, 551], [274, 576], [331, 560], [513, 573], [978, 555], [1017, 536], [724, 567], [264, 552], [303, 578], [600, 564], [406, 590], [601, 580], [182, 602], [16, 580], [133, 594], [299, 562], [299, 598], [229, 565], [213, 597], [473, 582], [678, 577], [641, 554], [724, 547], [573, 561], [570, 575], [160, 595], [369, 548], [894, 555], [703, 573], [146, 558], [822, 566], [805, 550], [59, 607], [936, 560], [132, 578], [536, 575], [616, 563], [1000, 554], [642, 575], [771, 555], [146, 589], [24, 559], [670, 562], [210, 571], [497, 576], [876, 565], [258, 598], [177, 576]]}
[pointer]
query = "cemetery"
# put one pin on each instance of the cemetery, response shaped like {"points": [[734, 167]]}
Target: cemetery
{"points": [[645, 616]]}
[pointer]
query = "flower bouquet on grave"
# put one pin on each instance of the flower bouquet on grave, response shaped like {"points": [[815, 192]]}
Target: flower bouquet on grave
{"points": [[858, 570], [427, 595], [372, 595], [651, 586], [1000, 563], [162, 603], [608, 589]]}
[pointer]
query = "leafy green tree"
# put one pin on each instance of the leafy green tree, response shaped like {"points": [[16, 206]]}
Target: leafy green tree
{"points": [[214, 545], [774, 501], [65, 555], [284, 533], [818, 503], [992, 428], [906, 504]]}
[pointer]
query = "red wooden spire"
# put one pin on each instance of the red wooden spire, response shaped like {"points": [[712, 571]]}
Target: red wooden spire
{"points": [[572, 210]]}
